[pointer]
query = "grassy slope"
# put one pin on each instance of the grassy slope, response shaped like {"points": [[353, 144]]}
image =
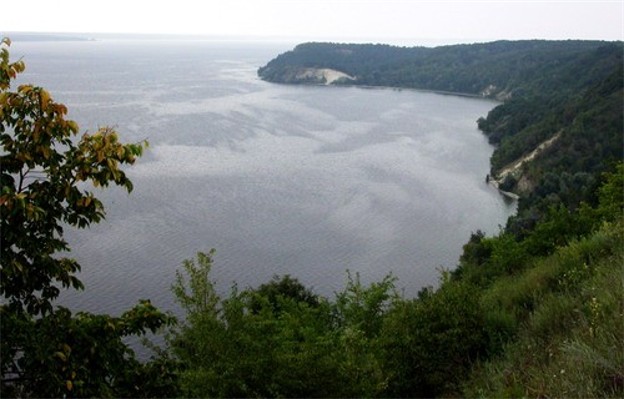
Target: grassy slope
{"points": [[569, 312]]}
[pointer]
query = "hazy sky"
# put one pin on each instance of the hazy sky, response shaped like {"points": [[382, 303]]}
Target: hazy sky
{"points": [[360, 20]]}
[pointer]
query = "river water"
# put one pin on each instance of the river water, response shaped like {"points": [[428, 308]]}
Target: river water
{"points": [[301, 180]]}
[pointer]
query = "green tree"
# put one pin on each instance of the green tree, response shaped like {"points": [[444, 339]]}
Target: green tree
{"points": [[430, 342], [271, 341], [611, 195], [44, 168], [280, 288], [280, 339]]}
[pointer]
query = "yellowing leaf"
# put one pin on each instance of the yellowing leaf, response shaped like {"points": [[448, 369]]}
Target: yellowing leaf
{"points": [[20, 66], [69, 385], [44, 96], [46, 152], [24, 89], [73, 126]]}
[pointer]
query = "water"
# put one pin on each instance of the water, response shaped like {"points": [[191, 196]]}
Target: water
{"points": [[309, 181]]}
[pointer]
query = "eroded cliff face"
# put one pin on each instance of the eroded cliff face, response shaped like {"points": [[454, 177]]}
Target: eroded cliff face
{"points": [[324, 76], [491, 91], [523, 184], [319, 76]]}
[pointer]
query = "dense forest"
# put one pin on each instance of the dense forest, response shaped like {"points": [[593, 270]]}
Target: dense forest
{"points": [[537, 310]]}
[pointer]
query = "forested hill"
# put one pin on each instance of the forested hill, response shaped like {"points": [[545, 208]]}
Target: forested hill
{"points": [[497, 69], [562, 103]]}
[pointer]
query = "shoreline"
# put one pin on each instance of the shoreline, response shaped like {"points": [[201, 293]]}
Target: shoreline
{"points": [[399, 88], [508, 194]]}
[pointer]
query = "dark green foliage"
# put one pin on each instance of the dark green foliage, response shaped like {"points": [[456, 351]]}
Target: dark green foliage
{"points": [[243, 347], [279, 289], [611, 195], [585, 122], [368, 342], [431, 342], [501, 66], [78, 355], [557, 229], [363, 307], [278, 339], [589, 118], [509, 183], [485, 259]]}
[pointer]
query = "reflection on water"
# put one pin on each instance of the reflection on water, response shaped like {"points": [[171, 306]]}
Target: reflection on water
{"points": [[309, 181]]}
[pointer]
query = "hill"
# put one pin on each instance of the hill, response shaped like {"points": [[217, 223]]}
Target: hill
{"points": [[560, 122]]}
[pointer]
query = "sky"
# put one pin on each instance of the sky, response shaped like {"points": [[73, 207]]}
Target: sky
{"points": [[336, 20]]}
